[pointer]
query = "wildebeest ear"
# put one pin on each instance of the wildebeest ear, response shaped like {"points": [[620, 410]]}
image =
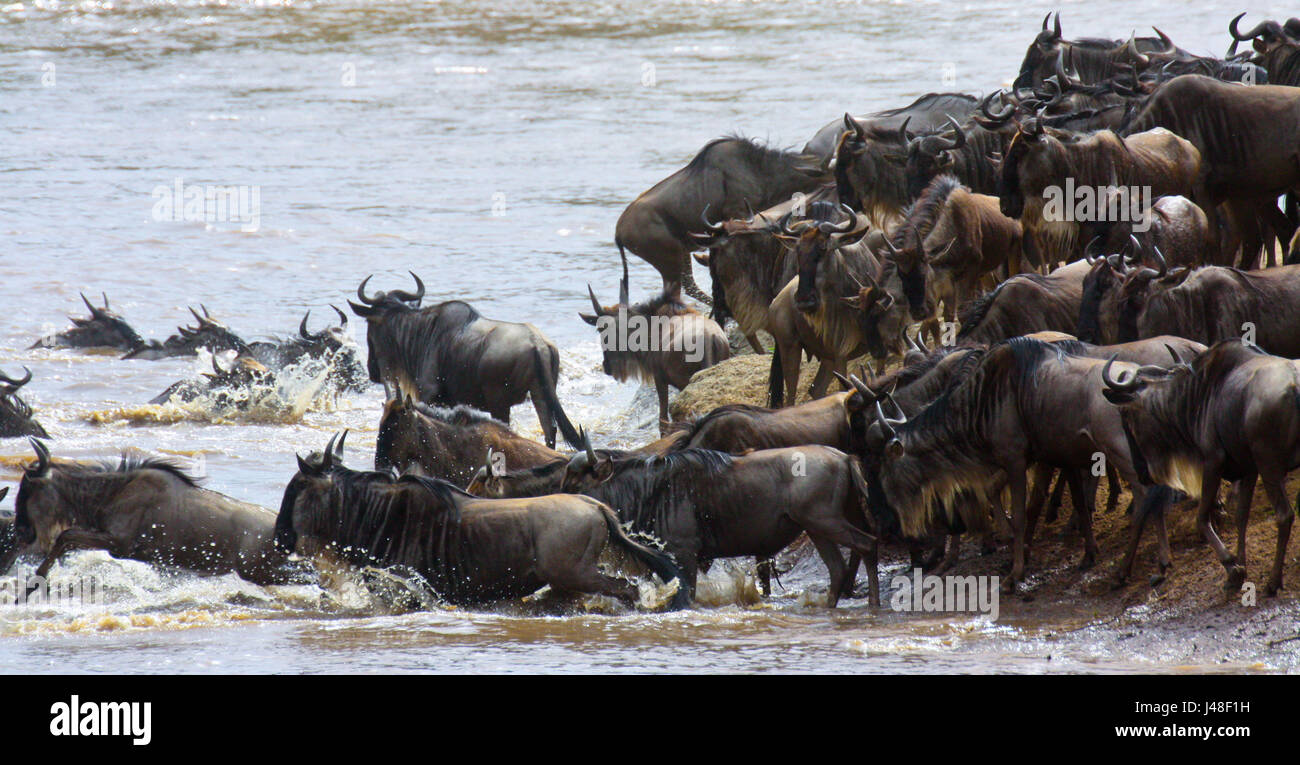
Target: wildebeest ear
{"points": [[894, 448], [588, 318]]}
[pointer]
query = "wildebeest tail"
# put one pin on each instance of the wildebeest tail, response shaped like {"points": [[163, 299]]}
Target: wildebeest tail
{"points": [[860, 482], [547, 385], [658, 561], [775, 381]]}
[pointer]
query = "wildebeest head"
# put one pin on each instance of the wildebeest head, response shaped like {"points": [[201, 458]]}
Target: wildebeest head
{"points": [[867, 159], [102, 329], [931, 155], [1032, 160], [378, 308], [326, 340], [1144, 398], [812, 241], [206, 333], [15, 414], [1042, 50], [1264, 36], [307, 495]]}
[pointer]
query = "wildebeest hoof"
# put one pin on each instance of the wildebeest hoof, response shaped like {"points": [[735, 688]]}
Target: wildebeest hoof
{"points": [[1236, 577]]}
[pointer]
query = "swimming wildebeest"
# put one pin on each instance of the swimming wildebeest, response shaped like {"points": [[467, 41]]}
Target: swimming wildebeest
{"points": [[102, 329], [331, 345], [450, 443], [1233, 414], [449, 354], [469, 550], [925, 113], [206, 333], [1027, 403], [143, 509], [662, 340], [230, 384], [707, 505], [728, 176], [15, 414]]}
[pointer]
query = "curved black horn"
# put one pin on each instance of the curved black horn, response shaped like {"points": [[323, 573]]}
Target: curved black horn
{"points": [[1131, 384], [902, 129], [1177, 359], [623, 298], [1056, 26], [4, 378], [343, 317], [410, 297], [87, 302], [716, 228], [302, 327], [42, 467], [361, 292], [1160, 258], [595, 304], [586, 445], [338, 450]]}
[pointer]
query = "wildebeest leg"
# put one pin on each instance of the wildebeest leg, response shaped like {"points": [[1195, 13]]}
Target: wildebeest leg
{"points": [[73, 539], [1084, 496], [1209, 493], [790, 360], [661, 390], [1283, 518], [1017, 480], [763, 571], [842, 532], [545, 418], [1113, 489], [822, 380], [1245, 490], [830, 555], [1037, 495]]}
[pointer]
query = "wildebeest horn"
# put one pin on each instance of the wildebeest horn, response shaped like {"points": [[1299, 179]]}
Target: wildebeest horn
{"points": [[849, 224], [1130, 384], [87, 302], [586, 445], [853, 125], [1168, 43], [343, 317], [16, 384], [302, 327], [361, 292], [902, 129], [862, 387], [716, 228], [197, 318], [1160, 258], [595, 304], [338, 450], [1259, 29], [1056, 26], [959, 135], [887, 424], [42, 467], [1090, 254], [1007, 111], [1177, 359], [784, 224], [912, 342], [327, 456], [407, 296]]}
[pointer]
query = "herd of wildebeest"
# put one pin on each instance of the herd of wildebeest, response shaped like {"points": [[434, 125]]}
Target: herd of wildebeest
{"points": [[1140, 332]]}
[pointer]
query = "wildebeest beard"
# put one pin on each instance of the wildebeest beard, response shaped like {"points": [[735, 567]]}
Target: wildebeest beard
{"points": [[948, 448], [418, 341]]}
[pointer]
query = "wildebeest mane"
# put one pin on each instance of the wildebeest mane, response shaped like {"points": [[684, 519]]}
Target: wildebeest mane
{"points": [[700, 423], [645, 490]]}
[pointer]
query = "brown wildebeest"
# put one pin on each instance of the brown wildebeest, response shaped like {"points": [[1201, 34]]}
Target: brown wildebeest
{"points": [[449, 354], [925, 113], [1025, 304], [963, 236], [147, 510], [1043, 166], [707, 505], [1230, 414], [15, 414], [661, 341], [469, 550], [1027, 403], [728, 176], [450, 443], [1095, 60], [102, 329]]}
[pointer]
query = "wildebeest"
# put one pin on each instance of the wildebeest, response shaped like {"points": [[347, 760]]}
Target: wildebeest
{"points": [[1025, 304], [1215, 303], [15, 414], [332, 345], [1248, 139], [1233, 413], [470, 550], [230, 384], [102, 329], [1276, 49], [207, 333], [450, 444], [661, 341], [143, 509], [1175, 225], [1043, 166], [449, 354], [1027, 403], [1094, 59], [963, 237], [728, 176], [748, 264], [925, 113]]}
